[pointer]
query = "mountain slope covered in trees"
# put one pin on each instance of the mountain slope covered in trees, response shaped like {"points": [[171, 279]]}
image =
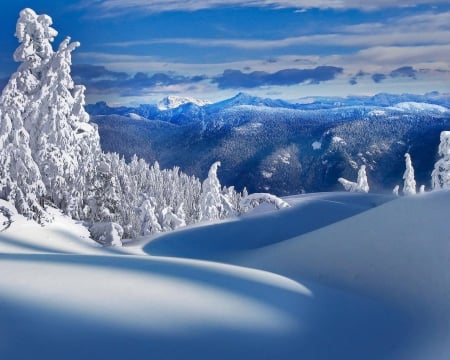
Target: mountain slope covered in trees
{"points": [[284, 148]]}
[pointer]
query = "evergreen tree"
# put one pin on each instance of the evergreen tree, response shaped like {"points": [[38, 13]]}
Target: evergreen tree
{"points": [[361, 184], [211, 207], [21, 181], [409, 185], [440, 177]]}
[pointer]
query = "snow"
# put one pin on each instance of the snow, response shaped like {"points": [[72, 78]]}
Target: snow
{"points": [[377, 112], [173, 102], [413, 106], [285, 158], [266, 174], [338, 140], [254, 200], [336, 275], [107, 233], [134, 116], [316, 145]]}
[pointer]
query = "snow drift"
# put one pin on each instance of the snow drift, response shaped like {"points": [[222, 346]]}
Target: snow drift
{"points": [[368, 278]]}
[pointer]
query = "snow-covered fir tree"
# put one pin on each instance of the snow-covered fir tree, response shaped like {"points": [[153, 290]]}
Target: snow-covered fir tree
{"points": [[49, 113], [409, 184], [21, 180], [396, 190], [216, 203], [440, 177], [361, 184], [251, 201]]}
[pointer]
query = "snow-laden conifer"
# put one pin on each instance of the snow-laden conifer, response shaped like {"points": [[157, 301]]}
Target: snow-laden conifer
{"points": [[361, 184], [440, 177], [214, 202], [21, 181], [396, 190], [409, 185], [41, 103], [253, 200]]}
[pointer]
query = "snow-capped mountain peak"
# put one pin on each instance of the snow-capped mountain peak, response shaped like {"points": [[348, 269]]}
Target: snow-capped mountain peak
{"points": [[247, 99], [173, 102]]}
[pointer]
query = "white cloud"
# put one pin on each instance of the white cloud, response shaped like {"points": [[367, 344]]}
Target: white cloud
{"points": [[155, 6], [420, 29], [387, 37]]}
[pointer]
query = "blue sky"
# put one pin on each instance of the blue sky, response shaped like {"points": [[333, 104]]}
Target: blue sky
{"points": [[138, 51]]}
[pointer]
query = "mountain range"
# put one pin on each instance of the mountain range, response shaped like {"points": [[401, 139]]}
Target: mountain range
{"points": [[270, 145]]}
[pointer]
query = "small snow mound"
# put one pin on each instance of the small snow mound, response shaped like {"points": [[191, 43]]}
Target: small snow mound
{"points": [[107, 233], [420, 107]]}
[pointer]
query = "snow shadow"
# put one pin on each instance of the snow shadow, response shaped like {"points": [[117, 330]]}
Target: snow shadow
{"points": [[25, 245], [331, 324], [308, 213]]}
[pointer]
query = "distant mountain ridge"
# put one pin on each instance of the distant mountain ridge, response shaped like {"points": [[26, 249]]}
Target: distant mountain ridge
{"points": [[282, 147], [171, 102]]}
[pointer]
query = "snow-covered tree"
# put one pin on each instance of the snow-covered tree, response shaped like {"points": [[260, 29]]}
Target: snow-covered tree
{"points": [[170, 220], [409, 185], [211, 207], [148, 218], [395, 190], [21, 181], [42, 104], [215, 203], [361, 184], [66, 144], [440, 177], [35, 36], [253, 200]]}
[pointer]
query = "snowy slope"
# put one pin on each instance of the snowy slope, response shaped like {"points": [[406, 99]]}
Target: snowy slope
{"points": [[413, 106], [336, 276], [396, 253]]}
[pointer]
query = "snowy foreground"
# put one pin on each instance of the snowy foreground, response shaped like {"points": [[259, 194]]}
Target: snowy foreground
{"points": [[337, 276]]}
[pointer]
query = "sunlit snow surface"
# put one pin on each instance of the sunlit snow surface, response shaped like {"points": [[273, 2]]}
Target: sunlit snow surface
{"points": [[336, 276]]}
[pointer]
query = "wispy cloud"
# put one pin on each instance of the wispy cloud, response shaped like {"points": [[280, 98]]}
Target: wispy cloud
{"points": [[116, 7], [428, 29], [336, 39]]}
